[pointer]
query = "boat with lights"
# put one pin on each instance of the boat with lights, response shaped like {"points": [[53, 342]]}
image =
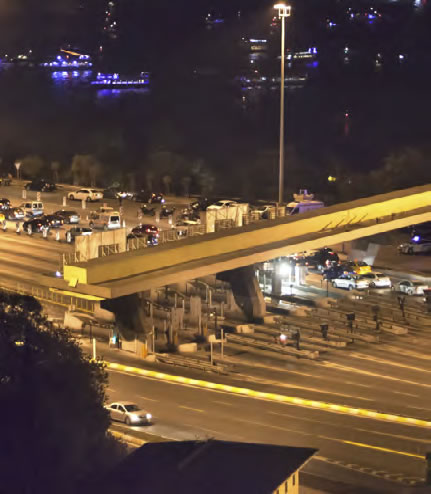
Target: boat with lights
{"points": [[117, 81]]}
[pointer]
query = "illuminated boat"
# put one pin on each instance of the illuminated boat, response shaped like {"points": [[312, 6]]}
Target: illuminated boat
{"points": [[117, 81]]}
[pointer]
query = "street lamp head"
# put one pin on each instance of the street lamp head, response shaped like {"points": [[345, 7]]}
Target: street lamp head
{"points": [[283, 9]]}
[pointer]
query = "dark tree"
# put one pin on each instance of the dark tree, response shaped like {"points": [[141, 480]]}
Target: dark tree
{"points": [[53, 426]]}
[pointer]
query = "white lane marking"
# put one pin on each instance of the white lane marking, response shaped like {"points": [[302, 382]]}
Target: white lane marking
{"points": [[146, 398]]}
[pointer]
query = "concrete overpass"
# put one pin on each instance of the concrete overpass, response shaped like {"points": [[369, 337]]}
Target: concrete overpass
{"points": [[133, 272]]}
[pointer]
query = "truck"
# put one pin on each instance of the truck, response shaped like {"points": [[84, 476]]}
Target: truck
{"points": [[302, 203]]}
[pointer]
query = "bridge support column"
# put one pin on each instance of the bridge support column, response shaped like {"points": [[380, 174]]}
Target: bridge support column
{"points": [[246, 291], [129, 314]]}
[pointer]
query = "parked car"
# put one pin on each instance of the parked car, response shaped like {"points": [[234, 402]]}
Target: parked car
{"points": [[322, 258], [165, 211], [4, 204], [107, 221], [116, 193], [70, 217], [54, 220], [32, 208], [35, 225], [77, 231], [224, 203], [416, 247], [6, 181], [377, 280], [411, 287], [200, 204], [129, 413], [264, 210], [350, 282], [89, 195], [41, 185], [332, 272], [15, 214], [150, 197], [357, 267], [143, 230]]}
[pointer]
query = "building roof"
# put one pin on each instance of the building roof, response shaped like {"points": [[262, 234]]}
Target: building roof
{"points": [[205, 466]]}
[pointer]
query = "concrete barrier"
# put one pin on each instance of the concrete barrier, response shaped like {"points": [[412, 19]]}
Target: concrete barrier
{"points": [[243, 328], [188, 347]]}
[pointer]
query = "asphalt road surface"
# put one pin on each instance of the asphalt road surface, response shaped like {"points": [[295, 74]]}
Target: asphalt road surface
{"points": [[364, 452]]}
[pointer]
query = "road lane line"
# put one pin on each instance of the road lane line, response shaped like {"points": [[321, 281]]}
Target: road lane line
{"points": [[384, 450], [291, 400], [190, 408], [146, 398], [223, 403]]}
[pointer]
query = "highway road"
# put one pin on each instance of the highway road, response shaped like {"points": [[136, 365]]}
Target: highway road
{"points": [[361, 451]]}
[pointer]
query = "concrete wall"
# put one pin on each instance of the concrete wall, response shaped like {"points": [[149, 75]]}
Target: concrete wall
{"points": [[234, 213], [290, 485], [88, 245]]}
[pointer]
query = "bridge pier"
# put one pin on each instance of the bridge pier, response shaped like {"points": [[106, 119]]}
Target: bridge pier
{"points": [[246, 291], [129, 314]]}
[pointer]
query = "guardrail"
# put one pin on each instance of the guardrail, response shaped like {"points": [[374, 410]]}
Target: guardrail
{"points": [[57, 298], [191, 362], [253, 342]]}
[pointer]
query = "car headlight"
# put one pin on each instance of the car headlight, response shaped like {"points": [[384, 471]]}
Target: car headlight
{"points": [[134, 417], [148, 416]]}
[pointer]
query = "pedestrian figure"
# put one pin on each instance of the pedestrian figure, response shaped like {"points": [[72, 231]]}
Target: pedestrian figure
{"points": [[324, 330], [401, 302], [297, 337]]}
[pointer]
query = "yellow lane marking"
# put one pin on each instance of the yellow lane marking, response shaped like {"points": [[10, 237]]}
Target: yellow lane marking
{"points": [[349, 427], [291, 400], [385, 450], [387, 362], [373, 374], [190, 408]]}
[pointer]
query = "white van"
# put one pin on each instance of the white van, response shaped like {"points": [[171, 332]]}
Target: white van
{"points": [[303, 202], [107, 221], [32, 208]]}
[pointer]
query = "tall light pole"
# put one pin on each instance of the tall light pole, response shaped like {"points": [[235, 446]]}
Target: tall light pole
{"points": [[283, 12]]}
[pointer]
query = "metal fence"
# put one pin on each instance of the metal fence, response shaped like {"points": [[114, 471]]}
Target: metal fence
{"points": [[54, 297]]}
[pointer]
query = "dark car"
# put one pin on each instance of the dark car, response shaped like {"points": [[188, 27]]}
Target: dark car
{"points": [[4, 204], [322, 258], [77, 231], [41, 185], [150, 197], [201, 204], [148, 210], [35, 225], [165, 212], [69, 217], [142, 230], [54, 220], [333, 272]]}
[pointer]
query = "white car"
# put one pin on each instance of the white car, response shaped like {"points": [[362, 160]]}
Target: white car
{"points": [[415, 247], [350, 282], [225, 203], [411, 287], [129, 413], [377, 280], [89, 195]]}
